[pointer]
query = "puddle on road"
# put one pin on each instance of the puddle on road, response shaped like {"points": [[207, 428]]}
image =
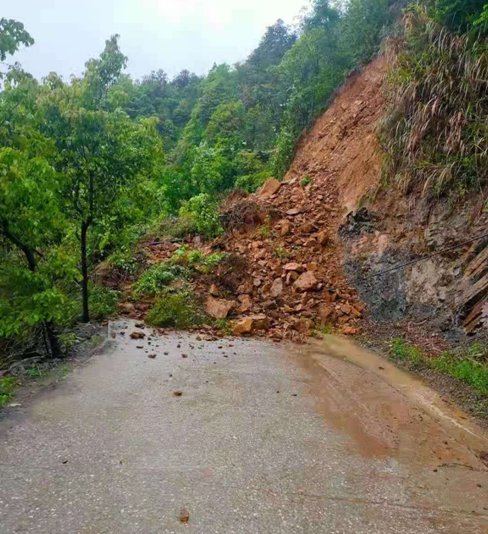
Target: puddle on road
{"points": [[385, 410]]}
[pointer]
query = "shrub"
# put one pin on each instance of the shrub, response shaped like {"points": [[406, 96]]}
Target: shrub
{"points": [[174, 310], [203, 210], [157, 277], [196, 259]]}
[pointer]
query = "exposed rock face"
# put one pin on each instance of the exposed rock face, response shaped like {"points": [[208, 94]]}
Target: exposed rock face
{"points": [[218, 308]]}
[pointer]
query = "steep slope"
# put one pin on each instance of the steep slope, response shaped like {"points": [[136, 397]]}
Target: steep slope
{"points": [[343, 142]]}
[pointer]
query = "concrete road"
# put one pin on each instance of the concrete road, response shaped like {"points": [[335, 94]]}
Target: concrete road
{"points": [[265, 438]]}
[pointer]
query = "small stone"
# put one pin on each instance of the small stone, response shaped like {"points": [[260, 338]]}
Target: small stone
{"points": [[277, 288]]}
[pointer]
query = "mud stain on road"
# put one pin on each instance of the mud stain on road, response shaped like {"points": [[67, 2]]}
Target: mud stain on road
{"points": [[385, 411]]}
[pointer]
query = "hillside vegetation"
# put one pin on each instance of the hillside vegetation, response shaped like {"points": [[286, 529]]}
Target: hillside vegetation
{"points": [[90, 165]]}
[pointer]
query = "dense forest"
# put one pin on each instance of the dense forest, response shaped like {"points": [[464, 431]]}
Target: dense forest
{"points": [[89, 165]]}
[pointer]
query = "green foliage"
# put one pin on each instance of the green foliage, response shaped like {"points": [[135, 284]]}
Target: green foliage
{"points": [[33, 373], [203, 210], [461, 16], [435, 135], [470, 366], [103, 301], [325, 330], [403, 352], [178, 227], [7, 389], [157, 277], [306, 180], [196, 259], [12, 36], [252, 182], [176, 310]]}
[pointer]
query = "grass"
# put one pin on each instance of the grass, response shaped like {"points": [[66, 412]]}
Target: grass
{"points": [[469, 365], [434, 134], [306, 180], [7, 390], [224, 326], [177, 310]]}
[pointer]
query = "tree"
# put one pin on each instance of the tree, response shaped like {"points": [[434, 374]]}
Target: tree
{"points": [[12, 36], [100, 152], [277, 40], [32, 222]]}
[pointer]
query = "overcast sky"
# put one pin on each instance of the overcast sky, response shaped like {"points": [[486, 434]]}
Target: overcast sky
{"points": [[168, 34]]}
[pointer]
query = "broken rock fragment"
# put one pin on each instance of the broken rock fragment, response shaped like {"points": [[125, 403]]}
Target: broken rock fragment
{"points": [[269, 188], [306, 282], [218, 308], [138, 335], [277, 288]]}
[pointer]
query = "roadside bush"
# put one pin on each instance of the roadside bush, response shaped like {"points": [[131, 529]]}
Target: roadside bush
{"points": [[468, 364], [174, 310]]}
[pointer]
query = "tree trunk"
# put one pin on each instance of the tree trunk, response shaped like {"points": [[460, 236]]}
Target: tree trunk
{"points": [[85, 318], [51, 341]]}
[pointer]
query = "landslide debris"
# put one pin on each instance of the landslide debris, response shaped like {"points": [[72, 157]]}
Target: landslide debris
{"points": [[283, 274]]}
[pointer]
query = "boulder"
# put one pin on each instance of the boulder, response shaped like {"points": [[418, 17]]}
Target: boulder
{"points": [[285, 227], [307, 228], [306, 282], [126, 307], [251, 324], [218, 308], [293, 211], [259, 322], [325, 313], [244, 326], [269, 188], [323, 238]]}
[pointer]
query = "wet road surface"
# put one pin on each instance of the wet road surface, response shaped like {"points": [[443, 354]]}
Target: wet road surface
{"points": [[264, 438]]}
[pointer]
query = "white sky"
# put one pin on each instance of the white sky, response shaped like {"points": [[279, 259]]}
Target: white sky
{"points": [[168, 34]]}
